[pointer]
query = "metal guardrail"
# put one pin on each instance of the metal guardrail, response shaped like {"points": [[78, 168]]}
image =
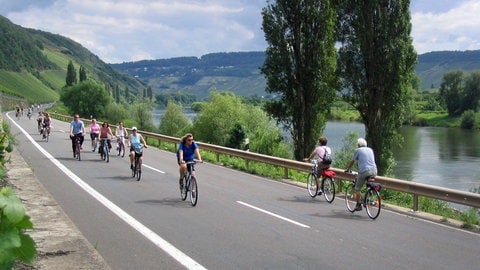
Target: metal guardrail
{"points": [[414, 188]]}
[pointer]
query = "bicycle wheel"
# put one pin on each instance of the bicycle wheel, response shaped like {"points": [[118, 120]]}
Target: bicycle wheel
{"points": [[107, 153], [193, 190], [328, 187], [184, 190], [312, 186], [350, 201], [373, 203], [134, 169], [121, 149], [77, 150], [139, 169]]}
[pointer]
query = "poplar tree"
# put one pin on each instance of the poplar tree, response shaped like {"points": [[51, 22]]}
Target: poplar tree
{"points": [[376, 64], [300, 67], [71, 78], [82, 74]]}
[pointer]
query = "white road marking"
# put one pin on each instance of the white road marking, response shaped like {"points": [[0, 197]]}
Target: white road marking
{"points": [[274, 215], [178, 255]]}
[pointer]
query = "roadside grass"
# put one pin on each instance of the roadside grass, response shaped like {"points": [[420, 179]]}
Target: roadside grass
{"points": [[436, 119]]}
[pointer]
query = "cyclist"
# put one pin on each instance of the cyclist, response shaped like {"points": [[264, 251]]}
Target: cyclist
{"points": [[39, 121], [320, 152], [366, 167], [134, 141], [46, 124], [121, 133], [104, 132], [94, 131], [187, 151], [77, 129]]}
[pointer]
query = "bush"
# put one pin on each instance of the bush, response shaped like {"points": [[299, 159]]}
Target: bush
{"points": [[467, 120]]}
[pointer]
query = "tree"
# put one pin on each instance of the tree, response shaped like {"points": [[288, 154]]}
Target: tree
{"points": [[71, 78], [174, 122], [218, 117], [471, 93], [376, 64], [300, 66], [86, 98], [142, 114], [82, 73], [451, 90]]}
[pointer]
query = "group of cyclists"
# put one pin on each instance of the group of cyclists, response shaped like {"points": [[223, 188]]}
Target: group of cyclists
{"points": [[44, 124], [188, 150], [363, 155]]}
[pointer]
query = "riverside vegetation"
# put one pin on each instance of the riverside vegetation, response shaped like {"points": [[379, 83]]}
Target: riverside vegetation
{"points": [[15, 244]]}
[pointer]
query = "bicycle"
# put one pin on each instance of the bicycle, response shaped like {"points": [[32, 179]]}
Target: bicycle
{"points": [[189, 183], [46, 133], [94, 143], [371, 199], [120, 146], [137, 167], [77, 148], [104, 149], [327, 186]]}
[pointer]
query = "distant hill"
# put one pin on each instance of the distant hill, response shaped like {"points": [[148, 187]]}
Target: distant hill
{"points": [[431, 66], [33, 64], [239, 72]]}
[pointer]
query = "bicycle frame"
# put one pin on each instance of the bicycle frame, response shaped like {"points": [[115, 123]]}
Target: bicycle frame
{"points": [[190, 184]]}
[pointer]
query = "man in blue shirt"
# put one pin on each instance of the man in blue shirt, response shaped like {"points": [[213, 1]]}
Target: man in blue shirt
{"points": [[77, 129], [366, 167]]}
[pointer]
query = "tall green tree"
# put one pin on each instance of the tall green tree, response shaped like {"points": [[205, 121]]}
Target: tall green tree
{"points": [[376, 63], [451, 90], [300, 66], [71, 77], [86, 98], [82, 73], [471, 94]]}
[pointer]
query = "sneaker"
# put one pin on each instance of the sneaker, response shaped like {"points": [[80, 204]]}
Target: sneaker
{"points": [[359, 207], [74, 156], [131, 166]]}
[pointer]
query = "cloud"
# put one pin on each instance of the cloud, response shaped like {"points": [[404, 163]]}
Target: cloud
{"points": [[456, 28], [132, 30]]}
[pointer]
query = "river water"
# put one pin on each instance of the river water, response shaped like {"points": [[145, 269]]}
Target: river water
{"points": [[446, 157]]}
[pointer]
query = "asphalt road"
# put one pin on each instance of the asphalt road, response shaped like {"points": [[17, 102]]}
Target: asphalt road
{"points": [[241, 221]]}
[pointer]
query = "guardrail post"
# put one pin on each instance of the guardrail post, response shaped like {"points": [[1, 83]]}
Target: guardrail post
{"points": [[218, 157], [415, 202], [247, 162], [286, 173]]}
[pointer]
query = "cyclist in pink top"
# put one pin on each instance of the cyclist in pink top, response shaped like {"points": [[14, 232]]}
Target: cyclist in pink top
{"points": [[94, 131]]}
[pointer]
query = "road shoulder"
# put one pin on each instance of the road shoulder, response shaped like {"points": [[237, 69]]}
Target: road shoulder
{"points": [[60, 245]]}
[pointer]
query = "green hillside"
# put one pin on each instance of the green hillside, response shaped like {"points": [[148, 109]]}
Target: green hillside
{"points": [[33, 65], [24, 84]]}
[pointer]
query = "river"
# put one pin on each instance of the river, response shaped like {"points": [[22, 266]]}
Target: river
{"points": [[446, 157]]}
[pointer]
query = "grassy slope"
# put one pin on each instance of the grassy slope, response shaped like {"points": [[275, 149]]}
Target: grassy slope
{"points": [[26, 85]]}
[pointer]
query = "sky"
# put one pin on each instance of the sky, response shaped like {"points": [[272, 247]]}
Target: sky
{"points": [[132, 30]]}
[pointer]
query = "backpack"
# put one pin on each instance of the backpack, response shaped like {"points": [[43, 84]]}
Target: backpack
{"points": [[327, 158]]}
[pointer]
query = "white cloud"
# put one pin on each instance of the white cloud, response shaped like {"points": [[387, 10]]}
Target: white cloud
{"points": [[455, 29], [131, 30]]}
